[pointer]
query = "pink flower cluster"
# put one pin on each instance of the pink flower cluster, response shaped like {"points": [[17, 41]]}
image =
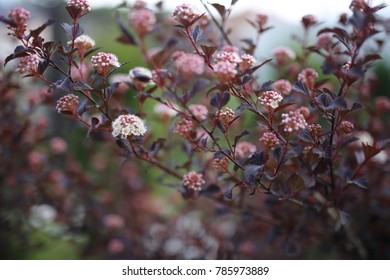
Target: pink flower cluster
{"points": [[225, 116], [184, 14], [142, 20], [283, 54], [188, 64], [282, 86], [183, 128], [346, 127], [193, 181], [221, 163], [293, 121], [199, 111], [67, 104], [308, 77], [226, 63], [247, 62], [244, 149], [28, 65], [113, 221], [270, 99], [19, 15], [269, 140], [102, 62]]}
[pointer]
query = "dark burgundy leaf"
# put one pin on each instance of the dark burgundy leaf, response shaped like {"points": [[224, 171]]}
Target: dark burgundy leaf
{"points": [[123, 144], [42, 66], [266, 86], [94, 123], [111, 89], [203, 142], [281, 107], [126, 37], [20, 51], [259, 158], [251, 172], [229, 194], [35, 33], [338, 103], [79, 86], [370, 151], [83, 107], [301, 88], [324, 100], [306, 136], [238, 137], [197, 34], [220, 99], [210, 190], [254, 69], [220, 8], [208, 50], [277, 153], [8, 21], [157, 146], [219, 155], [348, 141], [295, 182]]}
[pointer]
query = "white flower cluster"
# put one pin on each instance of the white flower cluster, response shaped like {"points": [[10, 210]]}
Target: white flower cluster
{"points": [[83, 42], [126, 125]]}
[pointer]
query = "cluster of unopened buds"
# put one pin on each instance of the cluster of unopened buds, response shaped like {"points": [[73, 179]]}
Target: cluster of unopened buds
{"points": [[102, 62], [269, 140], [225, 116], [183, 128], [68, 104], [127, 125], [293, 121], [308, 77], [19, 16], [314, 130], [28, 65], [81, 7], [345, 127], [193, 181], [184, 14], [221, 164]]}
